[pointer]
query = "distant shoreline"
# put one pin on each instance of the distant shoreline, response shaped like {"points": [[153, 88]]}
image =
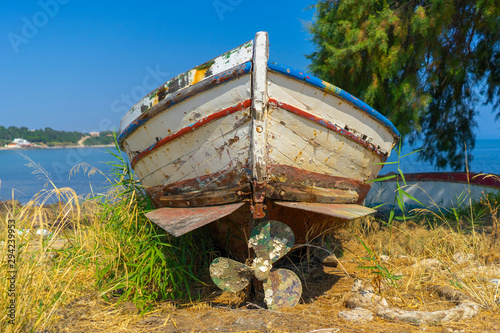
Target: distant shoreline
{"points": [[57, 147]]}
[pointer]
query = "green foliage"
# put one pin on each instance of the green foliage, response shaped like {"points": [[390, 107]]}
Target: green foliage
{"points": [[381, 272], [47, 135], [52, 137], [422, 64], [99, 140]]}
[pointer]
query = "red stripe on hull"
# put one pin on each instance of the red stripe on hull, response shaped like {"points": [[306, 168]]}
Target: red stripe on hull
{"points": [[331, 126], [187, 129], [481, 179]]}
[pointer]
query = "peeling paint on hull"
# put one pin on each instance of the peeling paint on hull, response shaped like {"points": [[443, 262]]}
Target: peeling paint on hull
{"points": [[243, 129]]}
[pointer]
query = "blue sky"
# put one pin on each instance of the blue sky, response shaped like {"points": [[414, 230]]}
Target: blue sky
{"points": [[78, 65]]}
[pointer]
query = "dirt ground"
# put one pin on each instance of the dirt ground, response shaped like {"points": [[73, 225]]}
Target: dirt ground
{"points": [[324, 292]]}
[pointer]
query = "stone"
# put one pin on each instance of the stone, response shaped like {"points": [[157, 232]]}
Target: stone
{"points": [[249, 323], [359, 315], [462, 258]]}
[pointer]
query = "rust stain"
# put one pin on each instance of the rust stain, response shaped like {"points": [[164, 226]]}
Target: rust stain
{"points": [[233, 140], [281, 176], [346, 132], [205, 185]]}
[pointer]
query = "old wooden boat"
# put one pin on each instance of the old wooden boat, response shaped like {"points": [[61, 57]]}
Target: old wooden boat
{"points": [[434, 190], [241, 140]]}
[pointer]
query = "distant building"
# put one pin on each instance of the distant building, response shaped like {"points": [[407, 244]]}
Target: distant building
{"points": [[20, 143], [94, 134]]}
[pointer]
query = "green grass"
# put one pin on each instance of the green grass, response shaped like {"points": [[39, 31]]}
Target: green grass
{"points": [[109, 246]]}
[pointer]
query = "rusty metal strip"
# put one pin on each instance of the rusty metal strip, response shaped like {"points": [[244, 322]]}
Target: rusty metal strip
{"points": [[179, 221], [214, 116], [343, 211], [351, 136]]}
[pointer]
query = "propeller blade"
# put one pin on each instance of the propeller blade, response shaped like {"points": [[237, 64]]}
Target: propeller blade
{"points": [[282, 289], [271, 240], [230, 275]]}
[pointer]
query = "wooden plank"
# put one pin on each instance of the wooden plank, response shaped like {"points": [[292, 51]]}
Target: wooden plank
{"points": [[331, 108], [214, 147], [207, 198], [298, 142], [259, 131], [295, 192], [179, 221], [187, 112]]}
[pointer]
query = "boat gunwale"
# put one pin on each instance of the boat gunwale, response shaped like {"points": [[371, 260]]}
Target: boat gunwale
{"points": [[244, 69], [331, 89], [219, 79]]}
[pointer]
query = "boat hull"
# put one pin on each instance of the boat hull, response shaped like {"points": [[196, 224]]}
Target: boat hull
{"points": [[435, 190], [243, 129]]}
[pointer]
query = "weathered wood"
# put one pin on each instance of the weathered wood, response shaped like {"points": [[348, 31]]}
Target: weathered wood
{"points": [[216, 68], [178, 221], [219, 145], [280, 191], [243, 129], [259, 131], [207, 198]]}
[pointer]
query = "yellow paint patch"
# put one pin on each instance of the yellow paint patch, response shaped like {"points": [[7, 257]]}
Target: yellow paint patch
{"points": [[331, 88], [199, 75]]}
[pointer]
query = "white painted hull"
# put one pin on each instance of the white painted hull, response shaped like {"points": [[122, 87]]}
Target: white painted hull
{"points": [[247, 129]]}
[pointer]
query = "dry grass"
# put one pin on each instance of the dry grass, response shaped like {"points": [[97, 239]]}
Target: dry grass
{"points": [[44, 281], [72, 279], [61, 294]]}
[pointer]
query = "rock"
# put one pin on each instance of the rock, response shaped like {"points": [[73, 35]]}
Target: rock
{"points": [[326, 258], [364, 296], [330, 261], [428, 263], [462, 258], [249, 323], [496, 282], [359, 315]]}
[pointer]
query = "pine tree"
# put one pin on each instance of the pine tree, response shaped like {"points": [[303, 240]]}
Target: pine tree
{"points": [[426, 65]]}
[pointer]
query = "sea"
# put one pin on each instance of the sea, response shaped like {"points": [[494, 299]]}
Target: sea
{"points": [[26, 172]]}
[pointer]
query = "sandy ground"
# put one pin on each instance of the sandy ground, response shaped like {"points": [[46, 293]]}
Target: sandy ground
{"points": [[323, 298]]}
